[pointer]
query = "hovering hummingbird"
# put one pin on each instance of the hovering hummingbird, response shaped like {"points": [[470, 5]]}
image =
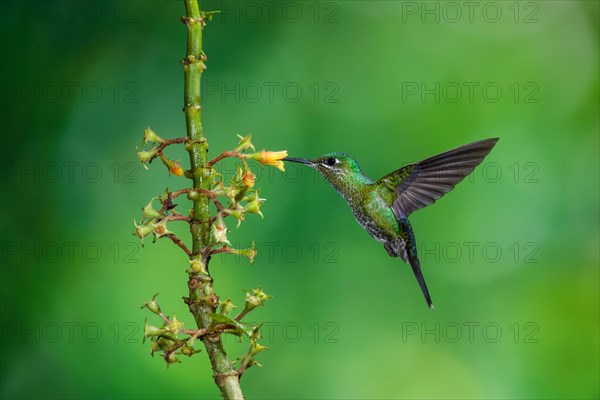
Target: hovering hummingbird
{"points": [[382, 207]]}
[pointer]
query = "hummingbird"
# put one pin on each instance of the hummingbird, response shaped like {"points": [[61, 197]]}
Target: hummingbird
{"points": [[382, 207]]}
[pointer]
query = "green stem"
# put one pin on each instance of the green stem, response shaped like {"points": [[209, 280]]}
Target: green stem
{"points": [[202, 299]]}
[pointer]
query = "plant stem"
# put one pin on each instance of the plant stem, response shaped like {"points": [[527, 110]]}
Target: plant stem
{"points": [[202, 299]]}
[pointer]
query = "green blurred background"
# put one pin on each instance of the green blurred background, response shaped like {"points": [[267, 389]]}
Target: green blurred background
{"points": [[511, 256]]}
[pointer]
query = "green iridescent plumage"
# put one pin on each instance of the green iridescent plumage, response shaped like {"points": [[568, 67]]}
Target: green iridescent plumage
{"points": [[382, 207]]}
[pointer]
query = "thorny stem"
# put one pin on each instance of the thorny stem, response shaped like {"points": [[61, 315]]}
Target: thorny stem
{"points": [[202, 299]]}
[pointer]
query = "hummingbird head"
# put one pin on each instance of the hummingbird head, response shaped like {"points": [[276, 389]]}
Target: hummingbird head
{"points": [[337, 168]]}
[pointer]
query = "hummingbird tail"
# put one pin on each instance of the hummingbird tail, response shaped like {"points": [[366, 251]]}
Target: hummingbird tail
{"points": [[413, 259], [416, 267]]}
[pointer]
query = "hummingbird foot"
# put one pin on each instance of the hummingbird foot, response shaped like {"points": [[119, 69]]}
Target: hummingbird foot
{"points": [[390, 249], [397, 248]]}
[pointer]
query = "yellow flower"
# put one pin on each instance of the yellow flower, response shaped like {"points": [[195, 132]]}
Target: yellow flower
{"points": [[272, 158]]}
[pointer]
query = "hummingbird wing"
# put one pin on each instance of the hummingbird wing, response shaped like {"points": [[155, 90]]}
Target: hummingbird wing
{"points": [[421, 184]]}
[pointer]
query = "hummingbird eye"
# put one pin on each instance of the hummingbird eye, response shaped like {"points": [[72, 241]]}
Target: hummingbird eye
{"points": [[331, 161]]}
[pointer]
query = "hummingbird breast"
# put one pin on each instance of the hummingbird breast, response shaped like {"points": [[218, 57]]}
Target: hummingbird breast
{"points": [[375, 216], [371, 227], [370, 207]]}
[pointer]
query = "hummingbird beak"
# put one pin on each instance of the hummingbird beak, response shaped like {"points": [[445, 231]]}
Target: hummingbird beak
{"points": [[300, 161]]}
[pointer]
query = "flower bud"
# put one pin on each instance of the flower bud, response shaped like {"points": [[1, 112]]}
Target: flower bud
{"points": [[237, 177], [176, 170], [197, 266], [160, 230], [150, 212], [219, 230], [227, 306], [188, 350], [165, 344], [143, 230], [261, 295], [146, 156], [237, 213], [151, 136], [151, 330], [171, 358], [248, 179], [257, 348], [240, 184], [175, 326], [255, 299], [232, 192], [244, 143], [236, 189], [173, 166], [152, 305], [154, 347], [253, 207], [249, 253]]}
